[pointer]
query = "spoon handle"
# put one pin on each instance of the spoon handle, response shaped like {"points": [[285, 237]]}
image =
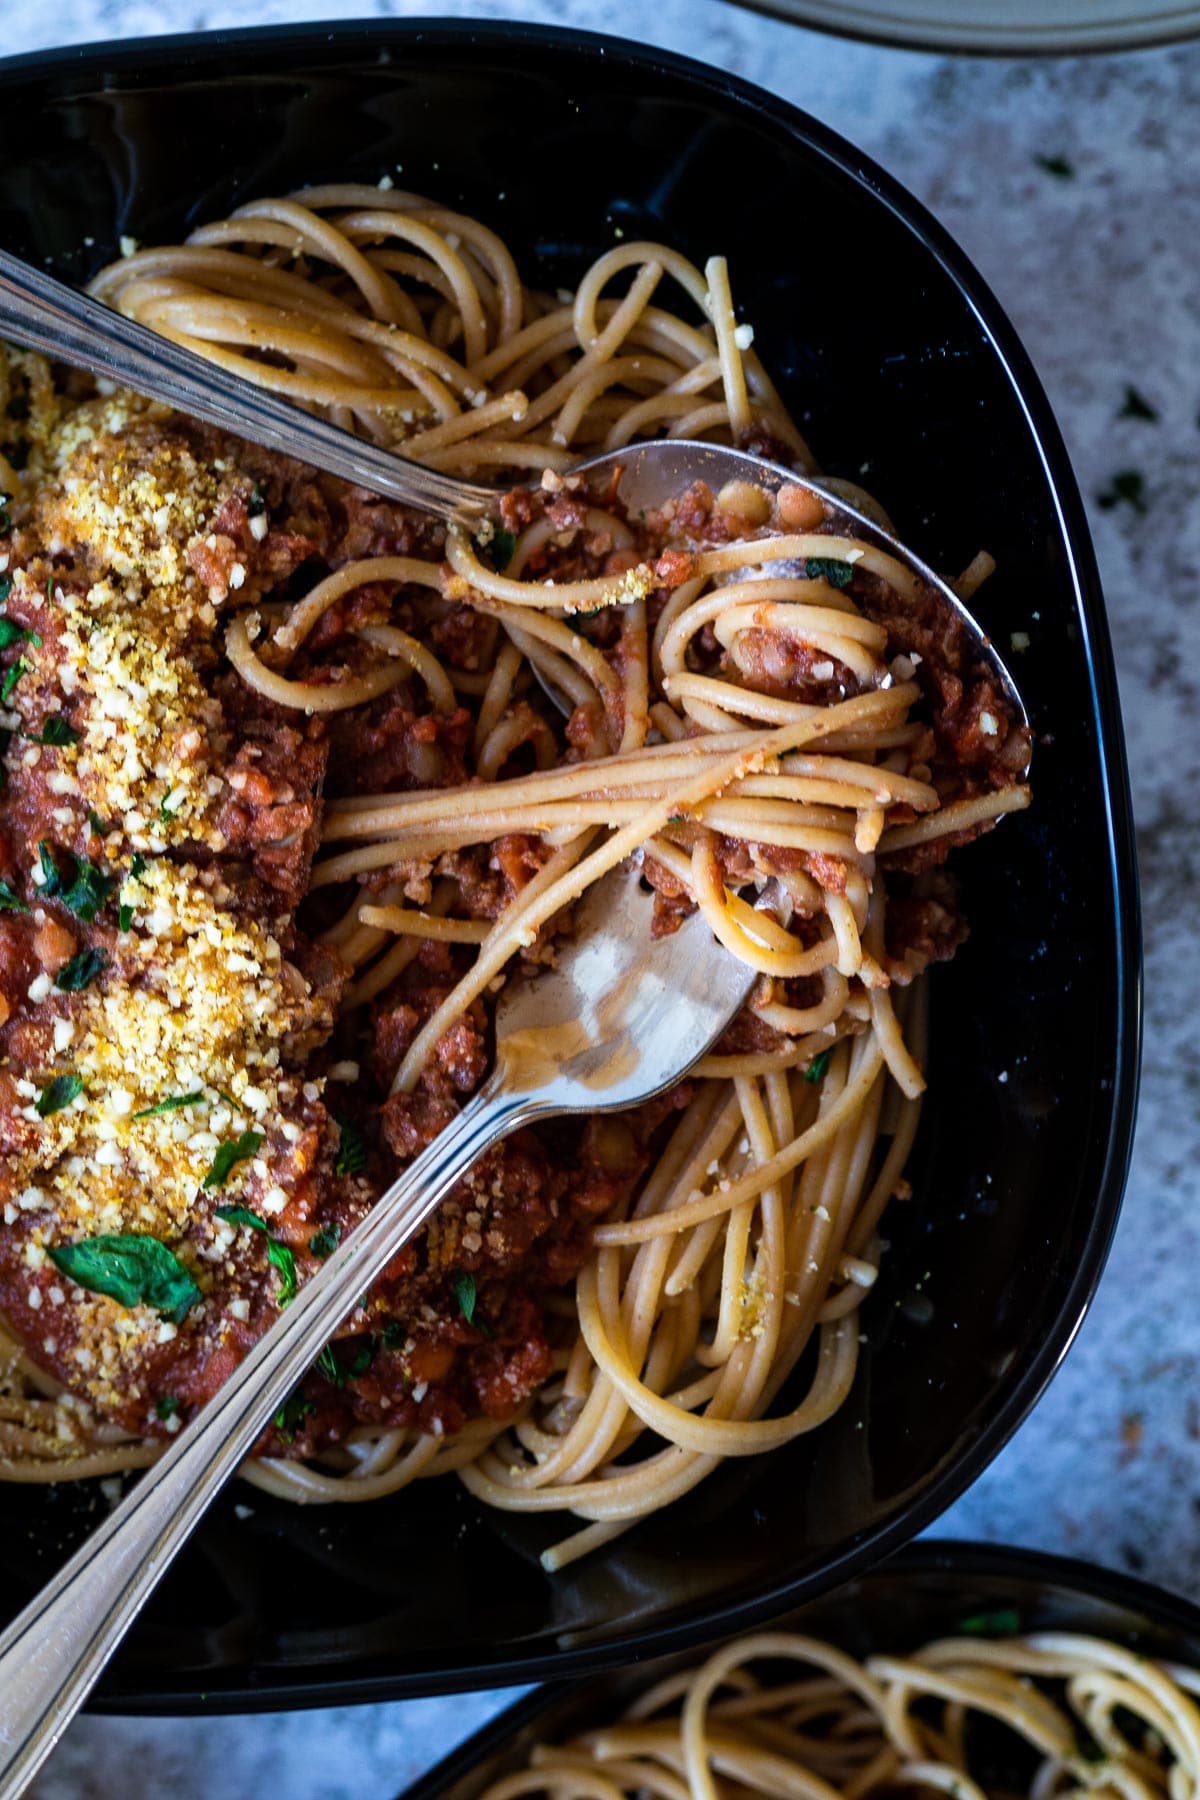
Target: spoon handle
{"points": [[53, 1653], [40, 313]]}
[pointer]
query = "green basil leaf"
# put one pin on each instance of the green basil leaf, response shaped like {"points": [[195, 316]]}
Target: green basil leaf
{"points": [[329, 1366], [325, 1241], [496, 550], [828, 568], [131, 1269], [171, 1105], [239, 1149], [57, 732], [11, 901], [284, 1260], [166, 1406], [98, 826], [466, 1294], [295, 1409], [80, 885], [1004, 1623], [80, 970], [360, 1362], [10, 631], [19, 668], [816, 1069], [58, 1093], [351, 1151], [241, 1215]]}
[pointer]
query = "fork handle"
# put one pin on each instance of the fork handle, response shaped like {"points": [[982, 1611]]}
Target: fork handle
{"points": [[52, 1654], [41, 313]]}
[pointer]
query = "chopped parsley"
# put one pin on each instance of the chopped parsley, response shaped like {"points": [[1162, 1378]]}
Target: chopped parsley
{"points": [[19, 668], [82, 969], [291, 1415], [171, 1105], [80, 885], [817, 1067], [360, 1362], [325, 1242], [329, 1366], [496, 547], [1057, 166], [352, 1151], [829, 568], [132, 1269], [125, 910], [98, 826], [56, 732], [166, 812], [242, 1215], [11, 901], [1128, 488], [466, 1294], [10, 631], [166, 1406], [239, 1149], [1006, 1622], [58, 1093], [1136, 406]]}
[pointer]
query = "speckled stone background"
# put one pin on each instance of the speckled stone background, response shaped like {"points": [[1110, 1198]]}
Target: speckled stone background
{"points": [[1100, 271]]}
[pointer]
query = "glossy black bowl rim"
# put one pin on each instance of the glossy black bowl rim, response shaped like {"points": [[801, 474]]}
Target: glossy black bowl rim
{"points": [[77, 63], [959, 1558], [1110, 41]]}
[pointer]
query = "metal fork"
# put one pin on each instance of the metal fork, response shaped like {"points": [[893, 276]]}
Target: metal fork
{"points": [[618, 1019]]}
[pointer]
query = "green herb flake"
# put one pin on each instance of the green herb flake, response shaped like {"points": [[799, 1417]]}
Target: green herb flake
{"points": [[98, 826], [291, 1415], [131, 1269], [395, 1335], [81, 970], [10, 631], [817, 1068], [360, 1362], [1058, 166], [829, 568], [239, 1149], [1004, 1623], [6, 587], [351, 1151], [57, 1094], [56, 732], [466, 1294], [329, 1366], [1136, 406], [281, 1257], [325, 1242], [124, 918], [242, 1215], [166, 812], [11, 901], [80, 885], [19, 668], [257, 503], [166, 1406], [169, 1106], [496, 548], [1126, 488]]}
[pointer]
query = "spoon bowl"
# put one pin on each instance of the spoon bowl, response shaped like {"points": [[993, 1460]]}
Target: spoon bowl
{"points": [[40, 313]]}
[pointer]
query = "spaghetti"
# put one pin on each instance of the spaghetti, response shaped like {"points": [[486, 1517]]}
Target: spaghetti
{"points": [[228, 665], [786, 1715]]}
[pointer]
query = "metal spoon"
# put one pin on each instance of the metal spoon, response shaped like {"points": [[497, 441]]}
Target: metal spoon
{"points": [[40, 313], [620, 1017]]}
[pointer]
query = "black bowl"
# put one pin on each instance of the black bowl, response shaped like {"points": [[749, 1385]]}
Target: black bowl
{"points": [[925, 1592], [906, 374]]}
